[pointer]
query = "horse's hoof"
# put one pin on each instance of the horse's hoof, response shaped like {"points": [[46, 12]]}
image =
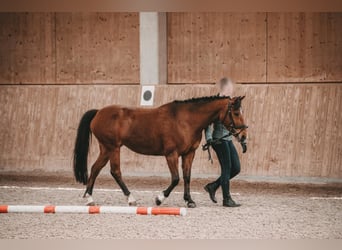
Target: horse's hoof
{"points": [[132, 203], [158, 202], [191, 204], [160, 198], [90, 200]]}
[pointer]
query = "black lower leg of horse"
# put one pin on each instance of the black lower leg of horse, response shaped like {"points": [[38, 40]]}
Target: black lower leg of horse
{"points": [[187, 196], [95, 170], [174, 183], [116, 172], [118, 178], [186, 166]]}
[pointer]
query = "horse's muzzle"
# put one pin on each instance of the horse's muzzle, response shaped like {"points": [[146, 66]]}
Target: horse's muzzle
{"points": [[243, 142]]}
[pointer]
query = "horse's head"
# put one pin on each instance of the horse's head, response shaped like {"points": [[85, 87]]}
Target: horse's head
{"points": [[233, 120]]}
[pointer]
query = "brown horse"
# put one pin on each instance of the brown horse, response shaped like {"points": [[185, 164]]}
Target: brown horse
{"points": [[172, 130]]}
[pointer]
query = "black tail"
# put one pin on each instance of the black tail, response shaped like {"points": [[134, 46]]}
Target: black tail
{"points": [[82, 147]]}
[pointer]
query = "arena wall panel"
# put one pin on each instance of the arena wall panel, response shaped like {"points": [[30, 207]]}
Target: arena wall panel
{"points": [[27, 50], [254, 47], [69, 48], [97, 48], [203, 47], [294, 129], [304, 47], [91, 48]]}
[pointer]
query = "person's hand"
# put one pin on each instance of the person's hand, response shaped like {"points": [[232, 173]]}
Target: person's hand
{"points": [[244, 147]]}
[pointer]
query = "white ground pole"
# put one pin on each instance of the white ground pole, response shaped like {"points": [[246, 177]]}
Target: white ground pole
{"points": [[153, 48], [50, 209]]}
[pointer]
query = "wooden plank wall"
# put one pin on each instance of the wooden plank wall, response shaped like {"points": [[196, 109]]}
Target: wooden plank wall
{"points": [[295, 124], [304, 47], [104, 47], [255, 47], [203, 47], [69, 48], [27, 51], [295, 129], [88, 48]]}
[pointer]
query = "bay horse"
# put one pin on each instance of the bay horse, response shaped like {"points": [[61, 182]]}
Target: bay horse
{"points": [[172, 130]]}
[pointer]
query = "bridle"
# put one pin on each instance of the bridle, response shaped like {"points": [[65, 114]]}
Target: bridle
{"points": [[232, 127]]}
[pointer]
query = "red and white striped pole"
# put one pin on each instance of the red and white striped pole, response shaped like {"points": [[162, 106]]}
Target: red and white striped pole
{"points": [[92, 210]]}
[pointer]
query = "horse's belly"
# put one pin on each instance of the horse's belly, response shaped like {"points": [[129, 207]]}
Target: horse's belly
{"points": [[145, 148]]}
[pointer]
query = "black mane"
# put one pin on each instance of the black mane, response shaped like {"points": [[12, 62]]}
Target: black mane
{"points": [[202, 99]]}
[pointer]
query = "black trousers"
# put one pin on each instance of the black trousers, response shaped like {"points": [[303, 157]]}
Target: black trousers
{"points": [[230, 165]]}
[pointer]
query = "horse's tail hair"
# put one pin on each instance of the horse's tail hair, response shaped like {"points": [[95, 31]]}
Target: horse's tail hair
{"points": [[81, 149]]}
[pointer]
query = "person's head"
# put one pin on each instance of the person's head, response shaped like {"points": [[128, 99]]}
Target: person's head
{"points": [[226, 87]]}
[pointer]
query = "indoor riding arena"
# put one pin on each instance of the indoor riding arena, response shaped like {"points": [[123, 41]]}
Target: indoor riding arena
{"points": [[56, 66]]}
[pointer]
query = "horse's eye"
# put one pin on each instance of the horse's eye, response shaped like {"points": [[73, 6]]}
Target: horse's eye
{"points": [[237, 114]]}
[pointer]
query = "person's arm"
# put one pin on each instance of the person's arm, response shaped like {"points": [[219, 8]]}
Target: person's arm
{"points": [[209, 133]]}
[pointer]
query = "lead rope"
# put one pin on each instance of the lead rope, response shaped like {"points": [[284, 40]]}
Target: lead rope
{"points": [[207, 147]]}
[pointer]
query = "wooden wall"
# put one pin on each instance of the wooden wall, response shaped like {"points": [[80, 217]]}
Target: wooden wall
{"points": [[73, 62], [27, 51], [304, 47], [203, 47], [255, 47], [69, 48], [295, 129], [105, 47]]}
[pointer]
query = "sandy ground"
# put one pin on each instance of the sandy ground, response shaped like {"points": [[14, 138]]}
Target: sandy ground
{"points": [[277, 211]]}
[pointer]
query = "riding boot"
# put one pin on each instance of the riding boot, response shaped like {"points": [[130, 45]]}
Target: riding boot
{"points": [[211, 189], [229, 202]]}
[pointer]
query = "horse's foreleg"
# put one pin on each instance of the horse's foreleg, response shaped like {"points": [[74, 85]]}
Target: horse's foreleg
{"points": [[95, 170], [116, 173], [186, 166], [172, 161]]}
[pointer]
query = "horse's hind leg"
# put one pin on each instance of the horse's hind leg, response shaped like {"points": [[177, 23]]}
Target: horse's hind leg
{"points": [[116, 173], [172, 161], [95, 170]]}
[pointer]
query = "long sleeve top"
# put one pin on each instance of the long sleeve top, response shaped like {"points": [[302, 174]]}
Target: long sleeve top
{"points": [[217, 130]]}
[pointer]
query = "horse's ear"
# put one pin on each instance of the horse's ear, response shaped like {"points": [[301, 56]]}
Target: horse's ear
{"points": [[242, 97], [237, 103]]}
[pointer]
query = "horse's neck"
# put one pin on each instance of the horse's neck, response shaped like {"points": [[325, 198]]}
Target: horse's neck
{"points": [[206, 113]]}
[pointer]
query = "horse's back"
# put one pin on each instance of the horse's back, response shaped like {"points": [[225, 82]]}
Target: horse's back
{"points": [[116, 122]]}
